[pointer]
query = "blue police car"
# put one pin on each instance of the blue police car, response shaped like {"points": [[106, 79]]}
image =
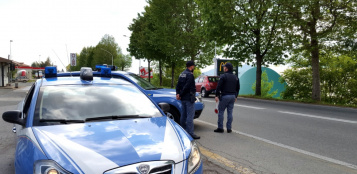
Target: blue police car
{"points": [[157, 94], [97, 124]]}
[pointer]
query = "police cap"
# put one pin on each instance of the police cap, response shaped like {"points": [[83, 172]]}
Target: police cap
{"points": [[228, 65], [190, 63]]}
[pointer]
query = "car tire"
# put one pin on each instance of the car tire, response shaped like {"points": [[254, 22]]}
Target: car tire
{"points": [[204, 93], [24, 81], [173, 114]]}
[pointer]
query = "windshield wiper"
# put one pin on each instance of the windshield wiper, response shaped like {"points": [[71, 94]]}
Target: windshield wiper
{"points": [[116, 117], [62, 121]]}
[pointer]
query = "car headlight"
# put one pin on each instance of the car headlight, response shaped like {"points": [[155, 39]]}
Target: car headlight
{"points": [[48, 167], [194, 160]]}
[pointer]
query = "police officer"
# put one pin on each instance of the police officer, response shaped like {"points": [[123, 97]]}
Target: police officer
{"points": [[227, 92], [186, 92]]}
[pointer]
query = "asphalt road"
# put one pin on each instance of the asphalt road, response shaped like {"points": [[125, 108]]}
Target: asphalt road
{"points": [[283, 137], [9, 98]]}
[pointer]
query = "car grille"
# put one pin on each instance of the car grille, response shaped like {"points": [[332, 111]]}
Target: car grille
{"points": [[156, 167], [162, 170]]}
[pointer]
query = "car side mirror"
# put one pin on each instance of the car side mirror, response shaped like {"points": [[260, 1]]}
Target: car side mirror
{"points": [[164, 107], [13, 117]]}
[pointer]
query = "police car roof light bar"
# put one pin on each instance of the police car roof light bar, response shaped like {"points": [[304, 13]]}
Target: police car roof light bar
{"points": [[113, 67], [86, 73], [105, 72], [50, 71]]}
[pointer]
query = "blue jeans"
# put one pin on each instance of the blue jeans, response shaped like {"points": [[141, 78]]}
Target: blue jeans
{"points": [[227, 101], [188, 113]]}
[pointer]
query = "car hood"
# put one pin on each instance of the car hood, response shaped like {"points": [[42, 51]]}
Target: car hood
{"points": [[95, 147], [163, 92]]}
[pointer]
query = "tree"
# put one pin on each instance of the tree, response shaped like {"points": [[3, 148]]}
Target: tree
{"points": [[315, 23], [140, 45], [176, 33], [123, 62], [105, 45], [253, 31], [338, 78]]}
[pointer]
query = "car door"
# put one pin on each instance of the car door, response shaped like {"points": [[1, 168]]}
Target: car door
{"points": [[198, 88], [25, 106], [200, 83]]}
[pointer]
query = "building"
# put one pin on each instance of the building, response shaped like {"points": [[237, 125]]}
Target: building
{"points": [[28, 70], [5, 73]]}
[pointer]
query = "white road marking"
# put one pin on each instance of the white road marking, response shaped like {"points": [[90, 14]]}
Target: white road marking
{"points": [[290, 148], [319, 117], [244, 106]]}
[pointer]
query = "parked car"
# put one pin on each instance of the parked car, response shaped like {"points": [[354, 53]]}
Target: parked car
{"points": [[206, 85], [93, 123], [157, 94], [20, 79]]}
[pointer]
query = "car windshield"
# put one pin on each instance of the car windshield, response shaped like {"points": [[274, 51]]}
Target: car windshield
{"points": [[79, 102], [141, 82], [213, 79]]}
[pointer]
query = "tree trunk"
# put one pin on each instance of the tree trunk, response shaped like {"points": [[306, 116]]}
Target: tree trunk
{"points": [[160, 73], [258, 77], [172, 75], [149, 70], [316, 88], [259, 59]]}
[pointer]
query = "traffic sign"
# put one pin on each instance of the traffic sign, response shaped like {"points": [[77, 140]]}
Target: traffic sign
{"points": [[73, 59]]}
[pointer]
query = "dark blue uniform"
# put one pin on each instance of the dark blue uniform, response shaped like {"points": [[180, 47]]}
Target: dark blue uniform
{"points": [[227, 90], [187, 90]]}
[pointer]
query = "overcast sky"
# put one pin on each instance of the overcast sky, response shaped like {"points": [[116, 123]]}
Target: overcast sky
{"points": [[38, 27]]}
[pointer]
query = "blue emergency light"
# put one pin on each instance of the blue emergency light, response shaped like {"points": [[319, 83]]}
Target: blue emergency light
{"points": [[100, 66], [105, 72], [50, 71]]}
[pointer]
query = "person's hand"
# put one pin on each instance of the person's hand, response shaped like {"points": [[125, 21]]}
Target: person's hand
{"points": [[216, 99], [235, 100], [178, 96]]}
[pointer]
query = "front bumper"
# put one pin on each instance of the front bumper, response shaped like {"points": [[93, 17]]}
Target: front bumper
{"points": [[197, 113]]}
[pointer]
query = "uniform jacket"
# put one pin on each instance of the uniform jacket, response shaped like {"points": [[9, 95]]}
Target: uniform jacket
{"points": [[186, 85], [228, 84]]}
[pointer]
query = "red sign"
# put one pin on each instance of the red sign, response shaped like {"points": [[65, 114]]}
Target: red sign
{"points": [[144, 73]]}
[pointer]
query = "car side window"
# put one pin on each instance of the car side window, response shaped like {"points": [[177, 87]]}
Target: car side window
{"points": [[201, 80], [28, 100], [196, 80]]}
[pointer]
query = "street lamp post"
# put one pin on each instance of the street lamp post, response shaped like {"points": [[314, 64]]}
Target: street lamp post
{"points": [[10, 50], [109, 53]]}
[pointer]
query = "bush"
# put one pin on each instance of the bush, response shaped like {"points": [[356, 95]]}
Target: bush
{"points": [[265, 86], [338, 77]]}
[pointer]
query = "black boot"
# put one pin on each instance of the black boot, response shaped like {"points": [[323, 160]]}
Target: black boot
{"points": [[195, 136], [218, 130], [229, 130]]}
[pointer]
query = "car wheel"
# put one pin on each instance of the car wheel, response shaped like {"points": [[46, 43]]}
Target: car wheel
{"points": [[172, 114], [204, 92], [24, 81]]}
